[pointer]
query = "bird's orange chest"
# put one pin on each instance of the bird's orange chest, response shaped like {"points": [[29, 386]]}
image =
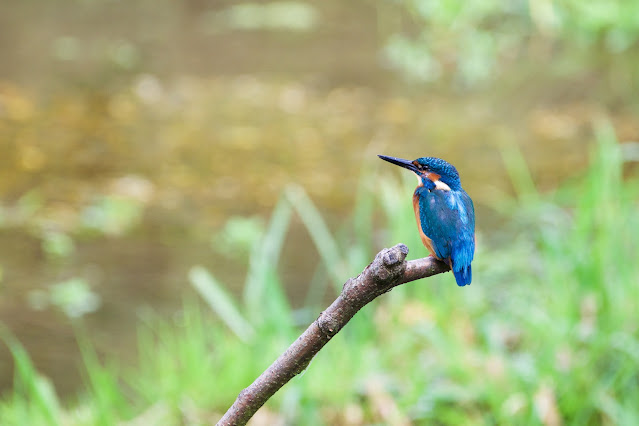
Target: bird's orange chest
{"points": [[428, 243]]}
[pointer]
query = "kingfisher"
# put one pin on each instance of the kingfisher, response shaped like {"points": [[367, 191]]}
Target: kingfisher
{"points": [[445, 213]]}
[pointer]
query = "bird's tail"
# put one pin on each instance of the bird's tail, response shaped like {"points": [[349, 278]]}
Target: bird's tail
{"points": [[463, 276]]}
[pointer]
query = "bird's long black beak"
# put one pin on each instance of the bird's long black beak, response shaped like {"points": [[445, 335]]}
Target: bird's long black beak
{"points": [[400, 162]]}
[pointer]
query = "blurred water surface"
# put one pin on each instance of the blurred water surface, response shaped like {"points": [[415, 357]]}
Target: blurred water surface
{"points": [[130, 133]]}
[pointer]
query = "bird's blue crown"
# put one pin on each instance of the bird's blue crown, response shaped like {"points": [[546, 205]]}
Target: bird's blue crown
{"points": [[447, 171]]}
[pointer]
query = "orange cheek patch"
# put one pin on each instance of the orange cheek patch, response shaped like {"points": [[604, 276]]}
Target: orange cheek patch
{"points": [[433, 176]]}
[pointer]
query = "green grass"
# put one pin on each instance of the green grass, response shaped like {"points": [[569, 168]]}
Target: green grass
{"points": [[548, 328]]}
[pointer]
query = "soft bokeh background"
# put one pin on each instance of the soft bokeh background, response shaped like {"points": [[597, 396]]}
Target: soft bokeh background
{"points": [[168, 166]]}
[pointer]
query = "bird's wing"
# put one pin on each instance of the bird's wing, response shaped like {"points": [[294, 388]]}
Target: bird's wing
{"points": [[447, 218]]}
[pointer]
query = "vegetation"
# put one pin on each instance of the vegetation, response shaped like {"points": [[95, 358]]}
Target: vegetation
{"points": [[121, 140], [547, 331], [474, 41]]}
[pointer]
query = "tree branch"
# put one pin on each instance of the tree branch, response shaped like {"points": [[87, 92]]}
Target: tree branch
{"points": [[388, 270]]}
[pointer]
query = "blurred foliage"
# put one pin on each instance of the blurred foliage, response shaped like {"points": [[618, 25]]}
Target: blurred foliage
{"points": [[73, 297], [274, 15], [112, 215], [238, 235], [118, 158], [36, 402], [473, 41], [57, 244], [545, 335]]}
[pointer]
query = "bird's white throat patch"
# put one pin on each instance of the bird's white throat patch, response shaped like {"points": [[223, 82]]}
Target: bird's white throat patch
{"points": [[441, 185], [438, 184]]}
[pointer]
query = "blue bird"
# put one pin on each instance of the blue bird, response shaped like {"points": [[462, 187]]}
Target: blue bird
{"points": [[445, 213]]}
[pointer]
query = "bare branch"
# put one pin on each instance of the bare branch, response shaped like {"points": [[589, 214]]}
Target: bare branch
{"points": [[388, 270]]}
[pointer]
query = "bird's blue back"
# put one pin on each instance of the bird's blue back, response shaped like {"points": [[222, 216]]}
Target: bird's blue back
{"points": [[448, 219]]}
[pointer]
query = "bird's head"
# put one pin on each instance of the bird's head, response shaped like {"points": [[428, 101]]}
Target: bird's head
{"points": [[440, 172]]}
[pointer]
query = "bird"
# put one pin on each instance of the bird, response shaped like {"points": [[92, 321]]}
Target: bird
{"points": [[445, 213]]}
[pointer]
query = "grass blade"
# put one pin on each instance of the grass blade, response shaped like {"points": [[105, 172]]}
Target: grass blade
{"points": [[319, 232], [264, 260], [37, 389], [519, 173], [220, 301]]}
